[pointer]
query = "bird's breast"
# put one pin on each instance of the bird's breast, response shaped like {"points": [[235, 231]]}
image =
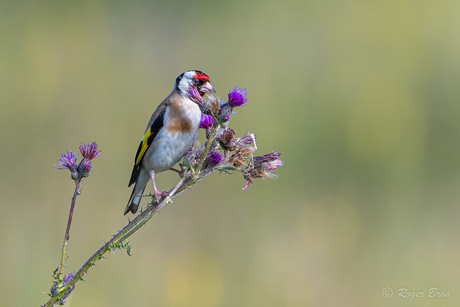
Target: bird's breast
{"points": [[182, 117], [177, 136]]}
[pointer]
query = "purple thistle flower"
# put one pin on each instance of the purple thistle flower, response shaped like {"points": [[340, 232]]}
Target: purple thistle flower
{"points": [[83, 169], [237, 97], [213, 159], [67, 161], [206, 121], [195, 96], [89, 152]]}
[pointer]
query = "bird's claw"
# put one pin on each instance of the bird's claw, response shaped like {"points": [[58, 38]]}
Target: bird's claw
{"points": [[160, 195], [179, 172], [164, 193]]}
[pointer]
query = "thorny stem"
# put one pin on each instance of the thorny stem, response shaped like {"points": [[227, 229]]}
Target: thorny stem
{"points": [[67, 231], [186, 182], [116, 242], [208, 145], [141, 219], [121, 236], [190, 178]]}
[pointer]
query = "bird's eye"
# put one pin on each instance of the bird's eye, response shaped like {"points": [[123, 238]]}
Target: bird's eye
{"points": [[196, 82]]}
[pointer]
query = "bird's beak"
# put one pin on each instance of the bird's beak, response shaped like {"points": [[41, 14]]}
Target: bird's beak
{"points": [[206, 88]]}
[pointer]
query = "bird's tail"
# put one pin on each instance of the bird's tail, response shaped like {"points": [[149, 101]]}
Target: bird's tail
{"points": [[134, 200]]}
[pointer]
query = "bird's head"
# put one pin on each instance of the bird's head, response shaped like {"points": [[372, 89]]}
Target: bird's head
{"points": [[196, 79]]}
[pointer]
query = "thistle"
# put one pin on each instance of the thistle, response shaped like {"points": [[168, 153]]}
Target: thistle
{"points": [[83, 169], [206, 123], [237, 97], [222, 152]]}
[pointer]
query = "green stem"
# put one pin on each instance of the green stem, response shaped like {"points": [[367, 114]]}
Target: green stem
{"points": [[208, 145]]}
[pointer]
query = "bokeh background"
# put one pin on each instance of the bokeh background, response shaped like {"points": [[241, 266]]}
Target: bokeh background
{"points": [[360, 97]]}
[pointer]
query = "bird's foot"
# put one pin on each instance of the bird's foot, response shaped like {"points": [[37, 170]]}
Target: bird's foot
{"points": [[164, 193], [179, 172], [160, 195]]}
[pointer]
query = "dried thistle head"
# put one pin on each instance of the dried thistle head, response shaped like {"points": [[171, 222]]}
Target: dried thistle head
{"points": [[247, 139], [214, 107], [226, 139], [240, 156], [253, 173], [269, 157], [262, 167]]}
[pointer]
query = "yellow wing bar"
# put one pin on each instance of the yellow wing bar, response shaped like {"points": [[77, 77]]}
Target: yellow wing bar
{"points": [[144, 146]]}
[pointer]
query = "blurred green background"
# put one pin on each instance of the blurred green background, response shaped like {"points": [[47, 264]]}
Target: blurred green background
{"points": [[360, 97]]}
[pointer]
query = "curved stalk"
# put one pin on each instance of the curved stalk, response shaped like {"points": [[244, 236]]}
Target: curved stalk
{"points": [[67, 231], [116, 240]]}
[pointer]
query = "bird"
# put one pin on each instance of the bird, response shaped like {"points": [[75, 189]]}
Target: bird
{"points": [[170, 133]]}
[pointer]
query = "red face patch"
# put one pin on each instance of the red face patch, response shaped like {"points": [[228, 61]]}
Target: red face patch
{"points": [[201, 77]]}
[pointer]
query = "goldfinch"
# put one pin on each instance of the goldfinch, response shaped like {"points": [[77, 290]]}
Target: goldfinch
{"points": [[170, 133]]}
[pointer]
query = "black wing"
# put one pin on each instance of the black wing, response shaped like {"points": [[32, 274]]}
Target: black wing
{"points": [[147, 140]]}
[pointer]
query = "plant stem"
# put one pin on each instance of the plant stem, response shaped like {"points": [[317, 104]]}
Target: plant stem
{"points": [[67, 231], [121, 236], [186, 182], [208, 145]]}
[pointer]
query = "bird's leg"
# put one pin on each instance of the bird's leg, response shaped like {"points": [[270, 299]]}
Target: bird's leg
{"points": [[155, 191]]}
